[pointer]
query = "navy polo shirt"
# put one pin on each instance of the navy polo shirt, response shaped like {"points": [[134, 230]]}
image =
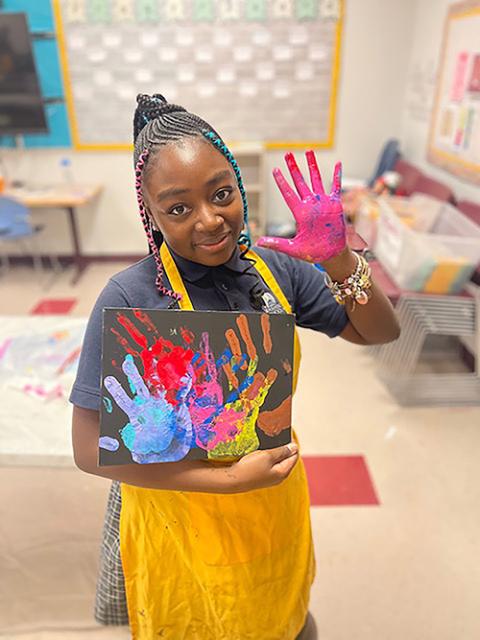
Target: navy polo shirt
{"points": [[233, 286]]}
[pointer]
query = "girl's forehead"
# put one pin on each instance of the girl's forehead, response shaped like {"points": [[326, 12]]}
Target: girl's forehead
{"points": [[174, 160]]}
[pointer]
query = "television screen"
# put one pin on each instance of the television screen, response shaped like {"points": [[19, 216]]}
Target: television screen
{"points": [[21, 103]]}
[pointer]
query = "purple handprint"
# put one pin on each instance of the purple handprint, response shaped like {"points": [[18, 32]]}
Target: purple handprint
{"points": [[321, 231], [156, 431]]}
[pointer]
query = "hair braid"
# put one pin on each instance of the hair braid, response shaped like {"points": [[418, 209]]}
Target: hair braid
{"points": [[157, 123]]}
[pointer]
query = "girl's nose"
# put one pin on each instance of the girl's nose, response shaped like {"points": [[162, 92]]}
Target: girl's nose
{"points": [[209, 220]]}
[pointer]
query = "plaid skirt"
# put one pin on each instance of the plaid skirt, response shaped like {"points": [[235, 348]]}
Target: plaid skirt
{"points": [[110, 600]]}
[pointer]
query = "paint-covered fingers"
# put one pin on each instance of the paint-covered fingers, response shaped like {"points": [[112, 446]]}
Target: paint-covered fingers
{"points": [[297, 177], [337, 181], [315, 177], [115, 389], [134, 378], [289, 195]]}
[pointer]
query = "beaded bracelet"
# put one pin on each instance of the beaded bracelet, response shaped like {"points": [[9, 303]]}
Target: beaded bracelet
{"points": [[356, 287]]}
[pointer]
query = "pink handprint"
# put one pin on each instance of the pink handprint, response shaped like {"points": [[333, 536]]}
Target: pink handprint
{"points": [[321, 230]]}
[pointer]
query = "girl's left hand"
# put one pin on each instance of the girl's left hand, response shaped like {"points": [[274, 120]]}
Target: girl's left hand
{"points": [[321, 232]]}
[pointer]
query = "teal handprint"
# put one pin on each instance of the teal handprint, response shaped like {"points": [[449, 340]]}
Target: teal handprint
{"points": [[156, 431]]}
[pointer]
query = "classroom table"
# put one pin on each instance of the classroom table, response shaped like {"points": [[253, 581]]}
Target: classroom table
{"points": [[67, 197]]}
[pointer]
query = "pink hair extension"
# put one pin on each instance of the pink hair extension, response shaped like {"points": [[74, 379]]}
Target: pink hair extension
{"points": [[147, 224]]}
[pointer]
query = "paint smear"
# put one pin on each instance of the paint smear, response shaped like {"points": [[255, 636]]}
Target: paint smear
{"points": [[110, 444], [287, 367], [108, 404], [125, 344], [187, 335], [275, 421], [267, 338], [132, 330], [242, 324]]}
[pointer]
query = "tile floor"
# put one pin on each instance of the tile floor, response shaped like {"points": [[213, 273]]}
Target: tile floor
{"points": [[395, 520]]}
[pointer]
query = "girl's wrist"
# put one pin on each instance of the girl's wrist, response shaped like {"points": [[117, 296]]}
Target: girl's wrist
{"points": [[342, 266]]}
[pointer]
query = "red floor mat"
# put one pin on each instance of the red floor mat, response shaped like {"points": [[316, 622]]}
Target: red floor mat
{"points": [[54, 306], [339, 481]]}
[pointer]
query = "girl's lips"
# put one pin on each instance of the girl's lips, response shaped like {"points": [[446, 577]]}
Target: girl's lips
{"points": [[214, 244]]}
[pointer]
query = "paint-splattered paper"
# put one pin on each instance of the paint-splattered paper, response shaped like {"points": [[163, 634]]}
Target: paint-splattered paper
{"points": [[194, 384]]}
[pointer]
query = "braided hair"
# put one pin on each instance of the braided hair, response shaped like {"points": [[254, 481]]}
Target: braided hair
{"points": [[157, 123]]}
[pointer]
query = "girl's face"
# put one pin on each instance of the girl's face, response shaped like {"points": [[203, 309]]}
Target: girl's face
{"points": [[193, 196]]}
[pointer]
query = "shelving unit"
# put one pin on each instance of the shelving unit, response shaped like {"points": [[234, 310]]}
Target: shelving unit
{"points": [[251, 160]]}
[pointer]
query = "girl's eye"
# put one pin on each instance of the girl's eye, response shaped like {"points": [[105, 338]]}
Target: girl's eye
{"points": [[178, 210], [223, 194]]}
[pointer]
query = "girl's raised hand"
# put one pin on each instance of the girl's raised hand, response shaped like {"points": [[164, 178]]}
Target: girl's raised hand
{"points": [[321, 231]]}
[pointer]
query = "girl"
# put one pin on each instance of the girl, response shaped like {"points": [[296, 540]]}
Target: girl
{"points": [[224, 552]]}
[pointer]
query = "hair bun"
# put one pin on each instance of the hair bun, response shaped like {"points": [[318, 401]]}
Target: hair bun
{"points": [[151, 107]]}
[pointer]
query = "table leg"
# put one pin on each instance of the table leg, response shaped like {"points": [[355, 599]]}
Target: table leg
{"points": [[79, 260]]}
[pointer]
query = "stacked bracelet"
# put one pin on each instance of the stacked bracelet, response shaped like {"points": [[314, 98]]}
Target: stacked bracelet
{"points": [[356, 287]]}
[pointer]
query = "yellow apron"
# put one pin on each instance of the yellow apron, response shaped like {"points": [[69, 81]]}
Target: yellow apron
{"points": [[201, 566]]}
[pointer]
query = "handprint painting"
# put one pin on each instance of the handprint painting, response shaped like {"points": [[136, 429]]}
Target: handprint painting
{"points": [[194, 384]]}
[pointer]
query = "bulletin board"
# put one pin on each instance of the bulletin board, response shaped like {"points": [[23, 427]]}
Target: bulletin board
{"points": [[454, 141], [263, 70]]}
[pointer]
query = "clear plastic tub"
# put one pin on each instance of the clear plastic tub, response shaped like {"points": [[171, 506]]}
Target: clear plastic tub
{"points": [[440, 261]]}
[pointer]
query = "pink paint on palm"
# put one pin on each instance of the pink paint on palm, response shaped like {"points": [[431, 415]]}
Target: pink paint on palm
{"points": [[321, 230]]}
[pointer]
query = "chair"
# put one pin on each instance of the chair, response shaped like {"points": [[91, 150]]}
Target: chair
{"points": [[434, 188], [410, 176], [16, 227], [388, 157], [470, 209]]}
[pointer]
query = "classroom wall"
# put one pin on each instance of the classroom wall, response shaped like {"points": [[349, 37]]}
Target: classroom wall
{"points": [[429, 18], [376, 44]]}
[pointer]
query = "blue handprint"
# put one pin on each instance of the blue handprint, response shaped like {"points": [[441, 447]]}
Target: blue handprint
{"points": [[156, 431]]}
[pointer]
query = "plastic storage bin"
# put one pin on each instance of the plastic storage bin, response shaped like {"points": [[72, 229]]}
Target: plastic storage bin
{"points": [[438, 261]]}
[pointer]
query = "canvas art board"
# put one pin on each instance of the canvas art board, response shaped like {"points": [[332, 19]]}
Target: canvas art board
{"points": [[194, 384]]}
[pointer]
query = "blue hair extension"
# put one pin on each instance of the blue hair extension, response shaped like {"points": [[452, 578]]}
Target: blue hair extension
{"points": [[212, 137]]}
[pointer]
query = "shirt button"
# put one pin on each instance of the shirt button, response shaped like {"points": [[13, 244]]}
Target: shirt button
{"points": [[236, 306], [224, 286]]}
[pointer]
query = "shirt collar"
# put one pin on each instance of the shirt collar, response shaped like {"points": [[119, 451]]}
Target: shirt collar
{"points": [[193, 271]]}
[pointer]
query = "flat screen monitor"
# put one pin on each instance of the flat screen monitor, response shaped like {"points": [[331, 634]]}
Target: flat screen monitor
{"points": [[21, 104]]}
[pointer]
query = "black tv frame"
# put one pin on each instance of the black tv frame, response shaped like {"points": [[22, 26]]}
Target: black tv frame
{"points": [[38, 98]]}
